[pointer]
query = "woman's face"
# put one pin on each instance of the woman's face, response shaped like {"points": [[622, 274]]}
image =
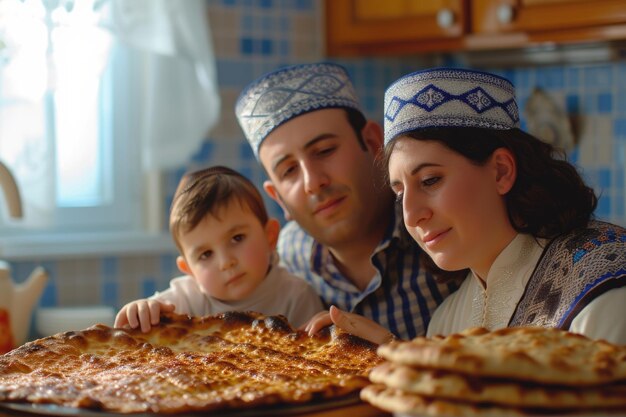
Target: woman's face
{"points": [[453, 208]]}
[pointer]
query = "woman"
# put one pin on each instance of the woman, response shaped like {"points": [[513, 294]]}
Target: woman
{"points": [[493, 206]]}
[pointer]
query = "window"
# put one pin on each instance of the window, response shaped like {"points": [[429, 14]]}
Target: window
{"points": [[77, 119], [58, 104]]}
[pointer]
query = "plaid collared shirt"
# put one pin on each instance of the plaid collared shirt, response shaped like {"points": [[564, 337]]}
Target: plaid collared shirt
{"points": [[400, 297]]}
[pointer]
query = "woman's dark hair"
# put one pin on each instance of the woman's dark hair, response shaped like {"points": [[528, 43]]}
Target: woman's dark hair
{"points": [[549, 196]]}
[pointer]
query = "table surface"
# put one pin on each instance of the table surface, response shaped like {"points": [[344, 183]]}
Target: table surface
{"points": [[355, 410]]}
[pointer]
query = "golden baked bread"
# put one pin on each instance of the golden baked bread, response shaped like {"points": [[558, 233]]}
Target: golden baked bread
{"points": [[506, 392], [412, 404], [507, 372], [231, 360], [533, 354]]}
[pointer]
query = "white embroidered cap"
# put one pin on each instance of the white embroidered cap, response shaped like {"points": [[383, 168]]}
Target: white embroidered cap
{"points": [[279, 96], [449, 97]]}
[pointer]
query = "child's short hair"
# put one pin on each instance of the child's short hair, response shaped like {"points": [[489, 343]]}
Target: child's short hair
{"points": [[205, 192]]}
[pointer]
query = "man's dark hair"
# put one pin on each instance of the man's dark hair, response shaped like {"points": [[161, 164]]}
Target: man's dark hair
{"points": [[358, 121]]}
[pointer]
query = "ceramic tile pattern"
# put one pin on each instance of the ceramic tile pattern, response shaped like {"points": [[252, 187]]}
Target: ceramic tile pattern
{"points": [[252, 37]]}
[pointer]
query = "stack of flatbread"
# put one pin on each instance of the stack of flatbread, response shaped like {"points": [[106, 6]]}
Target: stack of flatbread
{"points": [[512, 371]]}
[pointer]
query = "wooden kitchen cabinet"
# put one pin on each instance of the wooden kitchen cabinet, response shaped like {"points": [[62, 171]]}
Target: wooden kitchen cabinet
{"points": [[364, 27], [529, 22]]}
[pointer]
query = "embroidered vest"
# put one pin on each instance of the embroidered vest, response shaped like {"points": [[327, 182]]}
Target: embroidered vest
{"points": [[573, 270]]}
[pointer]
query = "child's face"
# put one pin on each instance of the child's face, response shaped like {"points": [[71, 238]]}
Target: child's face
{"points": [[452, 207], [230, 256]]}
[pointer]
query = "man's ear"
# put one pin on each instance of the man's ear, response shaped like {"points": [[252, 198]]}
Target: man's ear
{"points": [[182, 265], [269, 188], [506, 169], [272, 229], [373, 137]]}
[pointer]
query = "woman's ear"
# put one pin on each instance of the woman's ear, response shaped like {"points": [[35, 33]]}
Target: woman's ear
{"points": [[272, 229], [269, 188], [506, 169], [183, 266]]}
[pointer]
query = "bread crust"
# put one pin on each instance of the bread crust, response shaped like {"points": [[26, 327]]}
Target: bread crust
{"points": [[532, 354], [506, 392], [509, 372], [227, 361]]}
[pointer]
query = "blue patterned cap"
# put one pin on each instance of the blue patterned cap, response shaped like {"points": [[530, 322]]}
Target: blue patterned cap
{"points": [[279, 96], [449, 97]]}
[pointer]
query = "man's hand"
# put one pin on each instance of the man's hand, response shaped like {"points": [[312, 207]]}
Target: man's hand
{"points": [[145, 313], [352, 323]]}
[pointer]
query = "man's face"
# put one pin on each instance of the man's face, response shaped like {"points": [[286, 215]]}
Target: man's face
{"points": [[323, 178]]}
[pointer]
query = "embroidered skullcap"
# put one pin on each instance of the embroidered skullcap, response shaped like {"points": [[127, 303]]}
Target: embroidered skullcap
{"points": [[279, 96], [449, 97]]}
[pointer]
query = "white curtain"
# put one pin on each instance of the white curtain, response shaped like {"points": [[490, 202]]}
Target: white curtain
{"points": [[170, 97], [180, 96]]}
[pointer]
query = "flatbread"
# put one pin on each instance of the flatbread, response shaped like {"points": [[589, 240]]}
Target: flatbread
{"points": [[508, 372], [533, 354], [459, 387], [228, 361], [398, 401]]}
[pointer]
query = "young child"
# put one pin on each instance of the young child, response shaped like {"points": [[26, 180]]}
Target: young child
{"points": [[227, 251]]}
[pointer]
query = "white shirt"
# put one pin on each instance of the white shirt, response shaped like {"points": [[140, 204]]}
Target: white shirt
{"points": [[279, 293], [492, 307]]}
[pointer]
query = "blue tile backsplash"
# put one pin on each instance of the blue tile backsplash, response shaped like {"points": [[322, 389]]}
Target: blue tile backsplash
{"points": [[252, 37]]}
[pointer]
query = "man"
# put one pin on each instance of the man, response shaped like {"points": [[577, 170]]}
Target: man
{"points": [[347, 237]]}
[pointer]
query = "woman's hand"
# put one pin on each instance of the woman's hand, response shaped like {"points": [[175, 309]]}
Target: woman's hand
{"points": [[352, 323]]}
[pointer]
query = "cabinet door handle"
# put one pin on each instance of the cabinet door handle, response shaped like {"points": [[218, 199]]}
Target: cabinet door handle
{"points": [[505, 13], [445, 18]]}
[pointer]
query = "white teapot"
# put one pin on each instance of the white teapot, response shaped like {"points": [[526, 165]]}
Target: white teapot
{"points": [[16, 305], [16, 300]]}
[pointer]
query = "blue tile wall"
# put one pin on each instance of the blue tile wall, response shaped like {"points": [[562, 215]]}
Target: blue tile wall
{"points": [[265, 34], [620, 129], [550, 78], [148, 287], [599, 76], [110, 293], [572, 104], [49, 296], [605, 103]]}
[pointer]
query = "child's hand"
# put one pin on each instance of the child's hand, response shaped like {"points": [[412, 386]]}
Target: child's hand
{"points": [[352, 323], [145, 313]]}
